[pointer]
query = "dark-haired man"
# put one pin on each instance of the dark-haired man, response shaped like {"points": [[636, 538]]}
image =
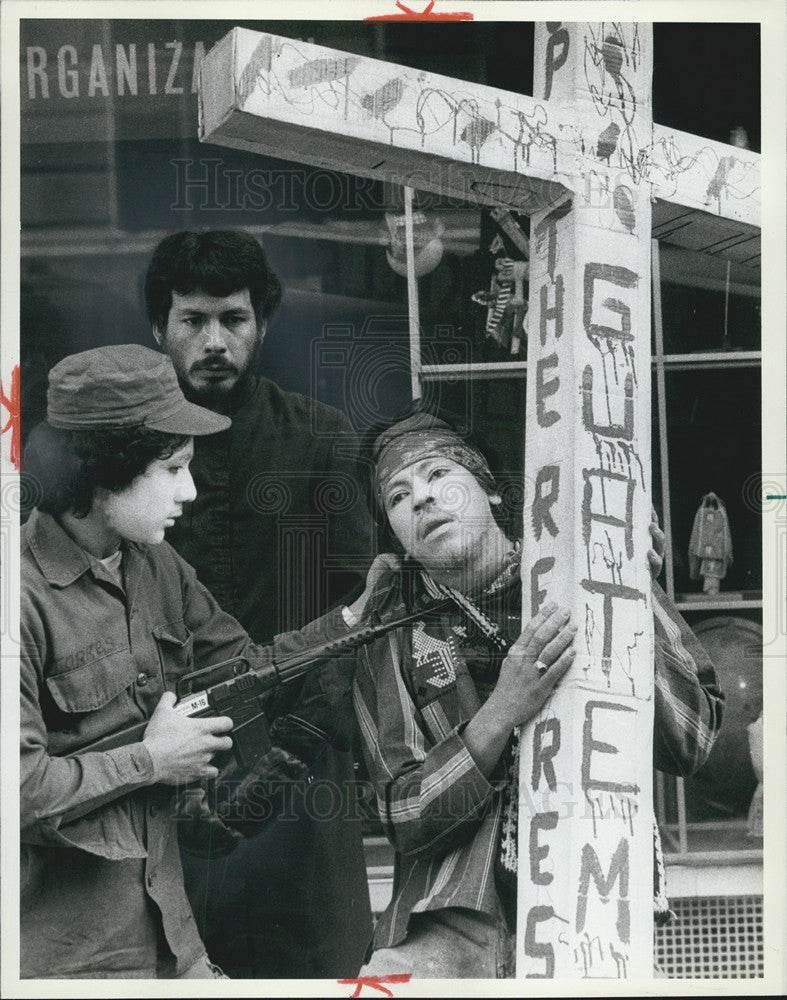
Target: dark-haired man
{"points": [[269, 540]]}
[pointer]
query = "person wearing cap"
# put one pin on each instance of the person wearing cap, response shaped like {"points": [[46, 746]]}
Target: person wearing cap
{"points": [[279, 533], [111, 616], [439, 701]]}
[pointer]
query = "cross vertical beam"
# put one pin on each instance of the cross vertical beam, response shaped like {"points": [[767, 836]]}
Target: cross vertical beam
{"points": [[585, 816]]}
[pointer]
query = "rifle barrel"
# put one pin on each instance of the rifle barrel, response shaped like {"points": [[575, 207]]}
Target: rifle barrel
{"points": [[292, 666]]}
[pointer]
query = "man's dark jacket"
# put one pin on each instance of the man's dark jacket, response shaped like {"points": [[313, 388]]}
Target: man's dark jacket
{"points": [[278, 533]]}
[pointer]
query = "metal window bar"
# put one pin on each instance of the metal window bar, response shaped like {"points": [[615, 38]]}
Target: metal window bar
{"points": [[412, 298], [661, 402]]}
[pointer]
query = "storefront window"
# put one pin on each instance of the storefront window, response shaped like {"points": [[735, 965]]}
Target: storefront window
{"points": [[92, 212]]}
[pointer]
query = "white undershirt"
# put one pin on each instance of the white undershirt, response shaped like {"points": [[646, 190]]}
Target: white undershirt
{"points": [[112, 565]]}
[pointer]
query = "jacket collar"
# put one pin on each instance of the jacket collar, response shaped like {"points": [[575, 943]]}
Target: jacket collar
{"points": [[59, 558]]}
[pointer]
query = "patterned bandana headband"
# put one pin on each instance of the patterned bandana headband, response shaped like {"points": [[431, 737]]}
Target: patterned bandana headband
{"points": [[422, 436]]}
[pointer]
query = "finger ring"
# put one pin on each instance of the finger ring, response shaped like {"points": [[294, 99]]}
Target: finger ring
{"points": [[541, 667]]}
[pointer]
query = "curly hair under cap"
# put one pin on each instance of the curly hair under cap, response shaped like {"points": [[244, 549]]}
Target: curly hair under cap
{"points": [[69, 465]]}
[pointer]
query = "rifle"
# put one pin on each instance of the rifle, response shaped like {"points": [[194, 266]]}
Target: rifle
{"points": [[234, 689]]}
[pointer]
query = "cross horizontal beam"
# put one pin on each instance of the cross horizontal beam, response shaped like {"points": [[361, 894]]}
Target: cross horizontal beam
{"points": [[710, 176], [294, 100], [311, 104]]}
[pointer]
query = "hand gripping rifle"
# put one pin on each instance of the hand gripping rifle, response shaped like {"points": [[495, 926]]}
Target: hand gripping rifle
{"points": [[234, 689]]}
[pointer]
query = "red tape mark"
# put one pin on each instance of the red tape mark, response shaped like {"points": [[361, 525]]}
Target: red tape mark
{"points": [[424, 15], [376, 982], [13, 405]]}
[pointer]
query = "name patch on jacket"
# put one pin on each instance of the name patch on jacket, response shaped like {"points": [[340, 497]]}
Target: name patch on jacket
{"points": [[95, 651]]}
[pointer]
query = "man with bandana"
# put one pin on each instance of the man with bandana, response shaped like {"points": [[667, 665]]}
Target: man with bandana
{"points": [[438, 701]]}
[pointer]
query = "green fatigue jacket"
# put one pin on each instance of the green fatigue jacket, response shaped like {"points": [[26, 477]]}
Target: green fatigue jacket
{"points": [[101, 881]]}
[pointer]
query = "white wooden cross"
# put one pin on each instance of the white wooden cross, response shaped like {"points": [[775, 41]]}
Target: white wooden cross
{"points": [[584, 159]]}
